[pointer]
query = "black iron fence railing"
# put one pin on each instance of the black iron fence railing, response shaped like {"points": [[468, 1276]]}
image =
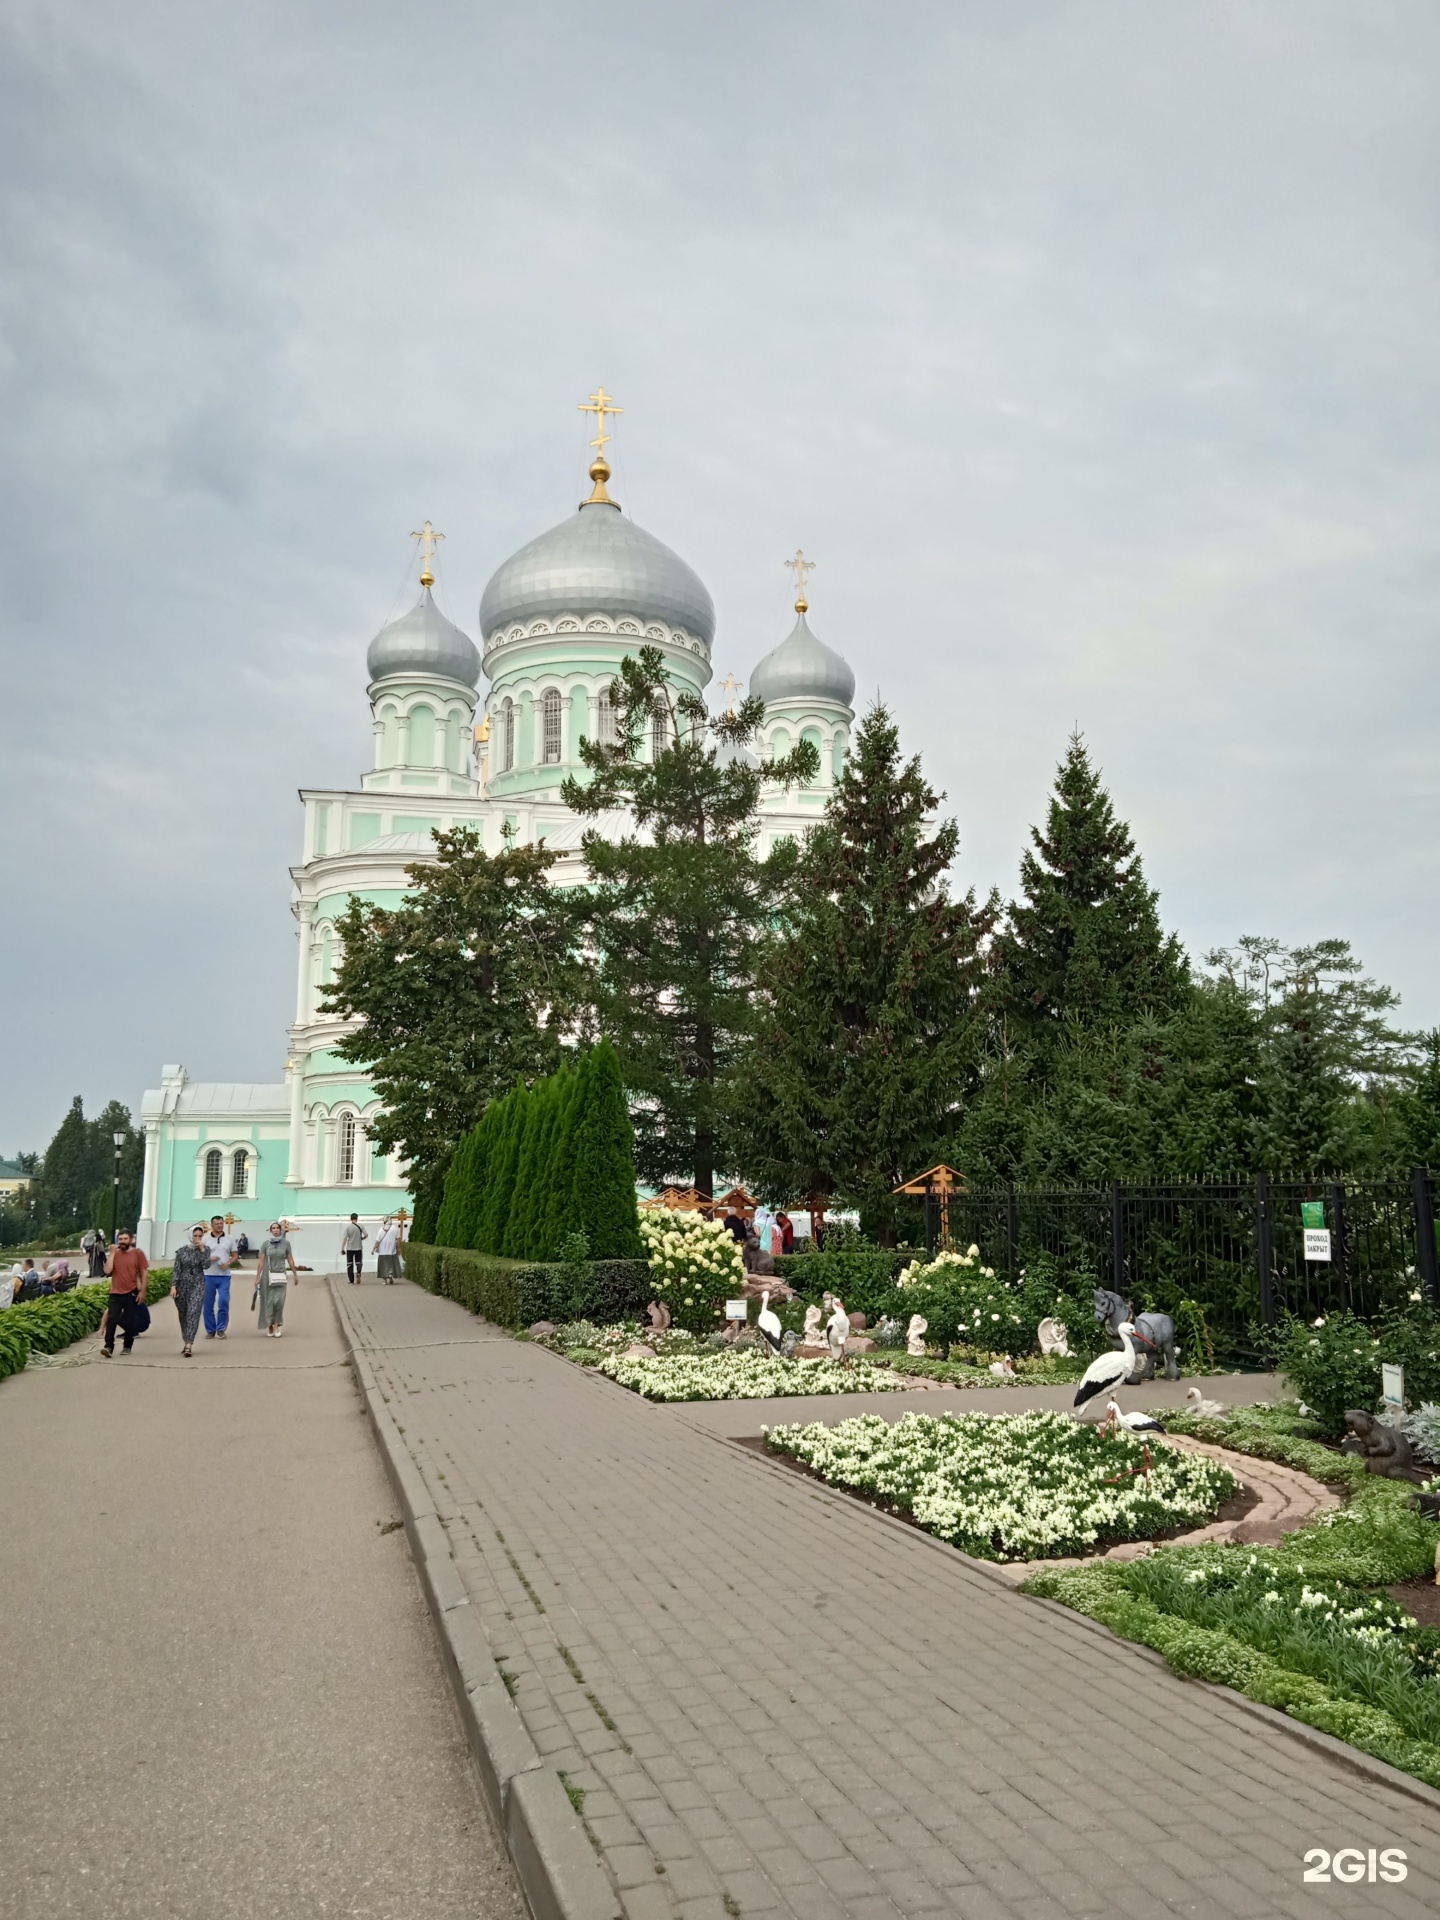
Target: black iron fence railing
{"points": [[1236, 1248]]}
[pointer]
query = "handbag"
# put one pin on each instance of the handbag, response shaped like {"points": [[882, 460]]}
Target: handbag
{"points": [[136, 1317]]}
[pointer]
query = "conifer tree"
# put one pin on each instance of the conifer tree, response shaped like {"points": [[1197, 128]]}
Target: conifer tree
{"points": [[456, 1205], [1084, 943], [866, 1037], [495, 1214], [513, 1242], [602, 1203], [560, 1162], [534, 1196]]}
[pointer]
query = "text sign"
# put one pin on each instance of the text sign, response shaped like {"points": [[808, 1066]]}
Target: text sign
{"points": [[1317, 1243], [736, 1309], [1312, 1213], [1392, 1386]]}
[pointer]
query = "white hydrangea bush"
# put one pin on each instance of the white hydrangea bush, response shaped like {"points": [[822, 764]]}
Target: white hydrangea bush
{"points": [[694, 1263], [967, 1302]]}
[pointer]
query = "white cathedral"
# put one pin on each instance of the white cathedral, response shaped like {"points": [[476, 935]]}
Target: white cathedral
{"points": [[556, 620]]}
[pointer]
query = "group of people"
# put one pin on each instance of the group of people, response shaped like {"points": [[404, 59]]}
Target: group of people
{"points": [[768, 1234], [200, 1281], [28, 1282], [388, 1259]]}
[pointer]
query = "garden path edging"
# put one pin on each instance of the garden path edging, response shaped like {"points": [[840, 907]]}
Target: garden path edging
{"points": [[555, 1864]]}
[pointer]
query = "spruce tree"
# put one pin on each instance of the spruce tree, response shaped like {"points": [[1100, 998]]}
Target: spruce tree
{"points": [[866, 1037], [1084, 943], [602, 1202]]}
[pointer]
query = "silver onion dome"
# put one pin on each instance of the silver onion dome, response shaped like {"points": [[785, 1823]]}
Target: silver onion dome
{"points": [[424, 641], [597, 561], [802, 667]]}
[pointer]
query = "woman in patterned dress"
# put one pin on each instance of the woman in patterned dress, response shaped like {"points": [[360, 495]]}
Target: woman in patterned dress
{"points": [[187, 1287]]}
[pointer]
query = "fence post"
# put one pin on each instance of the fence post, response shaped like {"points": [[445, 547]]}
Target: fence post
{"points": [[1426, 1263], [1117, 1238], [1264, 1249], [1012, 1225]]}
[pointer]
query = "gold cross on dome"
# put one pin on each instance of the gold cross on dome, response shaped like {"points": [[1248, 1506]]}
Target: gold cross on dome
{"points": [[600, 403], [429, 539], [730, 686], [799, 566]]}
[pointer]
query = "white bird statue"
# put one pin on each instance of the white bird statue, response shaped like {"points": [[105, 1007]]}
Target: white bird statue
{"points": [[1003, 1369], [1211, 1408], [1132, 1422], [837, 1328], [1110, 1369], [769, 1324]]}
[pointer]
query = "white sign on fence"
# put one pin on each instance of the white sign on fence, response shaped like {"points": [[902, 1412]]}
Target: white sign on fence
{"points": [[1317, 1243], [1392, 1386], [735, 1309]]}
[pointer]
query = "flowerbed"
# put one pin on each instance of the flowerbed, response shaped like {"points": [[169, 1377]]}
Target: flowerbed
{"points": [[1305, 1626], [1030, 1370], [743, 1375], [1013, 1486]]}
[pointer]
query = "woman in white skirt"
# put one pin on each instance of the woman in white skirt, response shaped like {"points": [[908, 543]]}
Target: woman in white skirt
{"points": [[272, 1276]]}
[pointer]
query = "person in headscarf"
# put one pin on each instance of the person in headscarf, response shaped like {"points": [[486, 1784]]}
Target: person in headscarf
{"points": [[11, 1286], [187, 1287], [272, 1277]]}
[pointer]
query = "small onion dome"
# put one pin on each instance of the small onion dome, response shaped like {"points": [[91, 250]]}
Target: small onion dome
{"points": [[597, 561], [423, 641], [803, 668]]}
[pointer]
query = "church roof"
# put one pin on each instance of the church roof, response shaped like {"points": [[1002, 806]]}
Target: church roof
{"points": [[597, 561], [424, 641], [802, 667]]}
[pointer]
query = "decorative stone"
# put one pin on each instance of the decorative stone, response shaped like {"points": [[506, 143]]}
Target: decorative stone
{"points": [[637, 1350], [857, 1322], [915, 1337], [857, 1344]]}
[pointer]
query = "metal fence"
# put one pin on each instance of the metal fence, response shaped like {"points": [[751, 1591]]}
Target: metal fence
{"points": [[1235, 1248]]}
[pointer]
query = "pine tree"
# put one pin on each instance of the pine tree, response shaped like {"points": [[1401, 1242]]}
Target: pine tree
{"points": [[602, 1202], [867, 1037], [1084, 943]]}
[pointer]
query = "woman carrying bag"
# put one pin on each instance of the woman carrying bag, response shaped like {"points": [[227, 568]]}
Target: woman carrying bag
{"points": [[187, 1287], [272, 1277]]}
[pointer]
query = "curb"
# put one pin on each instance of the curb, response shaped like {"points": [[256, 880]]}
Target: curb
{"points": [[558, 1870]]}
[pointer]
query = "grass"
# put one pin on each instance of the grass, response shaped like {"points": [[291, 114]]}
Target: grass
{"points": [[1305, 1626]]}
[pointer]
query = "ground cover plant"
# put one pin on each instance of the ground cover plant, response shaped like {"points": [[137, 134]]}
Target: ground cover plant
{"points": [[1013, 1486], [742, 1374], [1306, 1626], [970, 1367], [57, 1320]]}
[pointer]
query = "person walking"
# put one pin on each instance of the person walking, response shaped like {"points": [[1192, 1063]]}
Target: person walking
{"points": [[95, 1253], [387, 1251], [787, 1231], [127, 1270], [272, 1276], [220, 1249], [187, 1286], [353, 1242]]}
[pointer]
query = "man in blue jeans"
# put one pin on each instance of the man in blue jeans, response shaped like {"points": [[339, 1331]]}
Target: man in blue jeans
{"points": [[220, 1250]]}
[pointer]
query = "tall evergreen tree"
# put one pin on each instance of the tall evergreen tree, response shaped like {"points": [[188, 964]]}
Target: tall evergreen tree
{"points": [[602, 1204], [70, 1173], [1084, 942], [560, 1163], [680, 905], [866, 1039], [505, 1164]]}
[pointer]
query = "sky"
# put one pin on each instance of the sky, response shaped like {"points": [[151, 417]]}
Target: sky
{"points": [[1089, 349]]}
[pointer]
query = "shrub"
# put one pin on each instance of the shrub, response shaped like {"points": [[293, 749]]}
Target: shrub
{"points": [[1332, 1365], [516, 1293], [1422, 1430], [862, 1276], [694, 1265], [962, 1300], [602, 1195], [1410, 1337], [57, 1320]]}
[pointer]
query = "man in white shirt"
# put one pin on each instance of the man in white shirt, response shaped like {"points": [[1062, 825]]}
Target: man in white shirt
{"points": [[387, 1251], [220, 1251], [352, 1243]]}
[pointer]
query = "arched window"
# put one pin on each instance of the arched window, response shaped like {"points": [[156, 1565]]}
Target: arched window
{"points": [[779, 743], [346, 1168], [214, 1161], [550, 714], [605, 720], [837, 755], [507, 736], [422, 737], [240, 1173], [659, 735]]}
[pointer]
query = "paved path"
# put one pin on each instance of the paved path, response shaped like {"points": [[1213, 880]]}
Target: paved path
{"points": [[776, 1702], [220, 1692]]}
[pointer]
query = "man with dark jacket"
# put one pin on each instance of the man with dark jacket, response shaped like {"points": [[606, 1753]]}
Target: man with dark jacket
{"points": [[128, 1271]]}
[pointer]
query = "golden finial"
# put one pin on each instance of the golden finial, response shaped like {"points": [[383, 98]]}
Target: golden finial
{"points": [[600, 403], [429, 540], [800, 566], [730, 686]]}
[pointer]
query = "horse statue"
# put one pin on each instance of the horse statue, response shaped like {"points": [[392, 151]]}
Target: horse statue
{"points": [[1154, 1334]]}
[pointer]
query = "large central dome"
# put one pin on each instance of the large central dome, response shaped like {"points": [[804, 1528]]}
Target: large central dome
{"points": [[597, 562]]}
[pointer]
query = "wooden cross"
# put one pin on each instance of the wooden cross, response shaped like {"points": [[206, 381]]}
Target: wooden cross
{"points": [[429, 539], [600, 403], [799, 566]]}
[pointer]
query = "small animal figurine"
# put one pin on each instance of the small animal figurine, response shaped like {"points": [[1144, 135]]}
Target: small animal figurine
{"points": [[1151, 1334], [1212, 1409], [915, 1337], [837, 1328], [812, 1337], [1384, 1449], [658, 1314], [1054, 1337]]}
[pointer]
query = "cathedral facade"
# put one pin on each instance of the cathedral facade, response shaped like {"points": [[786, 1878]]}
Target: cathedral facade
{"points": [[556, 620]]}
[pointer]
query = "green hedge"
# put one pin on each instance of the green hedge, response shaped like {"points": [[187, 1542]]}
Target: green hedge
{"points": [[516, 1293], [862, 1276], [59, 1319]]}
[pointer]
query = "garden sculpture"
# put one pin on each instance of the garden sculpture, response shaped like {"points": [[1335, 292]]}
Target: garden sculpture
{"points": [[837, 1329], [1132, 1422], [915, 1338], [1110, 1370], [1054, 1337], [658, 1314], [813, 1337], [1154, 1333], [769, 1324], [1385, 1450], [1003, 1369], [1212, 1409]]}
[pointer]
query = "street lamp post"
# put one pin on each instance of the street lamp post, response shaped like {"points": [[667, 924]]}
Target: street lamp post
{"points": [[119, 1140]]}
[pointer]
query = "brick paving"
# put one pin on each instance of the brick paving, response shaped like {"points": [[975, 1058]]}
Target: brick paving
{"points": [[775, 1702]]}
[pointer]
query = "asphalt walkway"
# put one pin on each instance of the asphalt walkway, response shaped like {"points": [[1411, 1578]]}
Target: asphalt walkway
{"points": [[777, 1702], [220, 1692]]}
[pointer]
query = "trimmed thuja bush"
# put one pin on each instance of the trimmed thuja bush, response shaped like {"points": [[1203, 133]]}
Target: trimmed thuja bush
{"points": [[517, 1293]]}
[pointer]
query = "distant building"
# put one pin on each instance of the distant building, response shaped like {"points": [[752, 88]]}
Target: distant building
{"points": [[13, 1177]]}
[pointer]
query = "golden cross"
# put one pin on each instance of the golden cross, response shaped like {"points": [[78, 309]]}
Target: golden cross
{"points": [[799, 566], [730, 686], [600, 403], [429, 540]]}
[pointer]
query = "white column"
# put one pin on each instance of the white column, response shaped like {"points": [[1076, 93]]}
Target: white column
{"points": [[295, 1067], [302, 986]]}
